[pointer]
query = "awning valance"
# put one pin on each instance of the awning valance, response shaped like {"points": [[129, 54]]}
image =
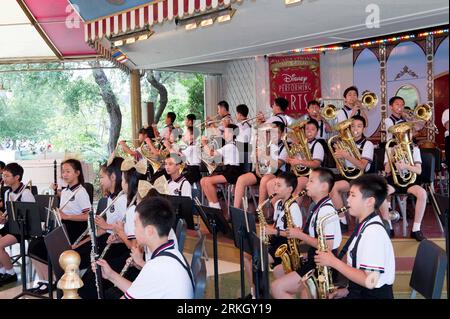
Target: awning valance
{"points": [[156, 12]]}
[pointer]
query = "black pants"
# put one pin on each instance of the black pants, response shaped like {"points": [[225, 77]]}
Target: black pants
{"points": [[359, 292]]}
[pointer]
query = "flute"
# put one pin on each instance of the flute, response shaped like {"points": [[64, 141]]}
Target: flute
{"points": [[100, 215], [127, 265], [94, 254]]}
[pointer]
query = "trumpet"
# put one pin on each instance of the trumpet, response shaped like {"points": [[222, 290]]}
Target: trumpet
{"points": [[422, 112], [256, 117], [215, 119], [369, 100], [329, 112]]}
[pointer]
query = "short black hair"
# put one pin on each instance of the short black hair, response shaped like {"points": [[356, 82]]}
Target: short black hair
{"points": [[313, 122], [242, 109], [395, 98], [352, 88], [313, 102], [280, 125], [132, 178], [224, 104], [15, 169], [114, 168], [359, 118], [372, 185], [235, 129], [290, 179], [191, 117], [158, 212], [325, 176], [2, 165], [176, 157], [282, 103], [76, 165], [194, 131], [172, 116], [148, 131]]}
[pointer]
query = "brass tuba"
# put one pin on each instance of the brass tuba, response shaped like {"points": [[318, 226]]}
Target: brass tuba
{"points": [[155, 161], [400, 152], [298, 147], [369, 100], [289, 253], [322, 286], [344, 141]]}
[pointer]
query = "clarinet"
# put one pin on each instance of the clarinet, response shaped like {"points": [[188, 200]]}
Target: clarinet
{"points": [[127, 265], [55, 176], [94, 254]]}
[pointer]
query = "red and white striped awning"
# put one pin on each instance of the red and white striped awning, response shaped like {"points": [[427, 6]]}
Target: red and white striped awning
{"points": [[156, 12]]}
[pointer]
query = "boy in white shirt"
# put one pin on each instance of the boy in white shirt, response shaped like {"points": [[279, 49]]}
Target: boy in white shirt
{"points": [[167, 275], [370, 266], [320, 183], [178, 184], [352, 106]]}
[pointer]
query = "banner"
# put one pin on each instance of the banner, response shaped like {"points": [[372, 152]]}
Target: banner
{"points": [[296, 78]]}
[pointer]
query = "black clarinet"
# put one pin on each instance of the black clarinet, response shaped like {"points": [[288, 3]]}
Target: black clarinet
{"points": [[55, 176], [94, 254]]}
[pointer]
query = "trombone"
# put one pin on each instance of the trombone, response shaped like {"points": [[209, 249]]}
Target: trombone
{"points": [[215, 119]]}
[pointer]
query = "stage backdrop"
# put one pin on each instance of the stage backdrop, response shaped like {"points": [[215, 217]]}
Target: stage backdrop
{"points": [[296, 78]]}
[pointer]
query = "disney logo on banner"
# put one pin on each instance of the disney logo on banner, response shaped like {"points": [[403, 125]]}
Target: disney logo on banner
{"points": [[288, 78]]}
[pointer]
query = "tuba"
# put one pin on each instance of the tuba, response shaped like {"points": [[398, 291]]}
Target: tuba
{"points": [[322, 286], [155, 161], [344, 141], [298, 147], [400, 152], [119, 151], [369, 100], [289, 253], [263, 165]]}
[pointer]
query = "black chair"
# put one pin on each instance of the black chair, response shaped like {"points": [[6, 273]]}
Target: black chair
{"points": [[181, 234], [378, 159], [428, 274], [90, 190], [198, 250], [199, 273]]}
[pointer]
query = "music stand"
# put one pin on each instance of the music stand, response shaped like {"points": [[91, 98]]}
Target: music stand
{"points": [[24, 219], [243, 226], [183, 206], [260, 261], [214, 221], [57, 242]]}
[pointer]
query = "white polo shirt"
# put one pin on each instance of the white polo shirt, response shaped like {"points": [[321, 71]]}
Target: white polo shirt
{"points": [[129, 222], [172, 236], [78, 204], [281, 117], [391, 121], [26, 196], [162, 277], [180, 187], [321, 132], [366, 152], [375, 252], [279, 216], [193, 155], [316, 149], [117, 211], [332, 227], [344, 113], [165, 132], [245, 133], [230, 154]]}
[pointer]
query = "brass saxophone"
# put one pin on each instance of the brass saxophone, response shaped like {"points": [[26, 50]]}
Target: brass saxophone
{"points": [[262, 219], [289, 253], [322, 286]]}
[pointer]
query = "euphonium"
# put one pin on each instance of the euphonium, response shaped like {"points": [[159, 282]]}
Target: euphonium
{"points": [[401, 152], [207, 159], [369, 100], [263, 165], [322, 286], [298, 147], [422, 112], [120, 152], [345, 141], [262, 219], [154, 161], [289, 253], [329, 112]]}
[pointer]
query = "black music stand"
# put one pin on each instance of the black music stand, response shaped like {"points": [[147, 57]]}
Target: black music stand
{"points": [[214, 221], [183, 206], [260, 262], [243, 226], [57, 242], [24, 219]]}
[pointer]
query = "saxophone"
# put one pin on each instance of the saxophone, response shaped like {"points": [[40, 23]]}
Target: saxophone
{"points": [[262, 219], [322, 286], [289, 253]]}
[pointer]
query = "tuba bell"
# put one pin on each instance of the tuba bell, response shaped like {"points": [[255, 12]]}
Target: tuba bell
{"points": [[401, 152], [299, 146], [344, 141]]}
